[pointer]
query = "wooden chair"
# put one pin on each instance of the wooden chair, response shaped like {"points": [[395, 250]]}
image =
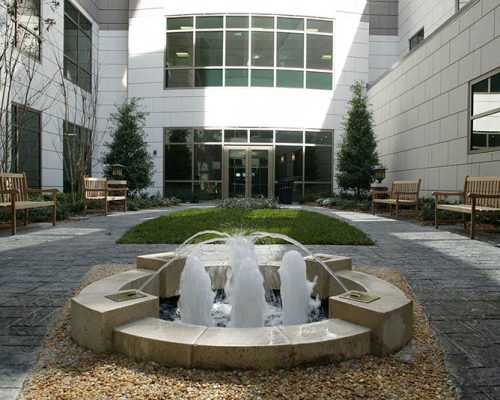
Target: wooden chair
{"points": [[402, 193], [481, 196], [97, 189], [14, 195]]}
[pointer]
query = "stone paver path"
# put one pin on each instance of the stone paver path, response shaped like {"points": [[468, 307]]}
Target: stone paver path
{"points": [[457, 280]]}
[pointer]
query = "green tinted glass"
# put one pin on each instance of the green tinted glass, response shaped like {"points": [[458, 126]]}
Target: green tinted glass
{"points": [[208, 49], [179, 23], [178, 78], [290, 50], [261, 136], [179, 49], [319, 52], [290, 79], [495, 83], [208, 77], [237, 48], [288, 136], [263, 22], [293, 24], [209, 22], [324, 137], [262, 49], [317, 25], [236, 77], [208, 135], [237, 22], [235, 135], [262, 78], [319, 80]]}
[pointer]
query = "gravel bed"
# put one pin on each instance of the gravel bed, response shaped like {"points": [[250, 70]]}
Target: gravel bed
{"points": [[65, 370]]}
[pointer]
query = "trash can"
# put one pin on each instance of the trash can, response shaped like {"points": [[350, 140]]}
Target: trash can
{"points": [[285, 191]]}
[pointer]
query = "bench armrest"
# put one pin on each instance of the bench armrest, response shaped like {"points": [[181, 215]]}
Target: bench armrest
{"points": [[396, 192], [96, 190], [117, 189], [12, 192]]}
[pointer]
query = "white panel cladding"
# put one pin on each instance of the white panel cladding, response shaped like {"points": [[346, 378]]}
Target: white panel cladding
{"points": [[249, 106], [434, 80], [427, 14], [113, 60], [383, 53]]}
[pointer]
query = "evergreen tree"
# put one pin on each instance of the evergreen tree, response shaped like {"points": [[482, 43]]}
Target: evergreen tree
{"points": [[128, 146], [357, 155]]}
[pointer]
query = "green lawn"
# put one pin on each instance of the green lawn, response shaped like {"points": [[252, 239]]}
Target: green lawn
{"points": [[305, 226]]}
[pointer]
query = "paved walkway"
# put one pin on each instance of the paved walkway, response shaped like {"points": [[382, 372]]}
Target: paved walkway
{"points": [[457, 280]]}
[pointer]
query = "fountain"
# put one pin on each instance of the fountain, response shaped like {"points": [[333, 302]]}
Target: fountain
{"points": [[121, 313]]}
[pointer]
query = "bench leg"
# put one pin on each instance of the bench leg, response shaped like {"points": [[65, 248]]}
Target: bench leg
{"points": [[54, 215], [106, 207], [13, 221], [436, 217], [84, 207], [125, 205], [397, 209], [472, 225], [373, 207], [464, 217], [26, 216]]}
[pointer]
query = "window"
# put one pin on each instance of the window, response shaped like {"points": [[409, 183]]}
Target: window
{"points": [[26, 148], [77, 155], [485, 113], [27, 27], [77, 47], [248, 50], [461, 3], [416, 39]]}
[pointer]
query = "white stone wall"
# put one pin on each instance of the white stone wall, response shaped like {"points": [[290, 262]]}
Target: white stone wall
{"points": [[421, 106], [383, 54], [427, 14], [248, 107]]}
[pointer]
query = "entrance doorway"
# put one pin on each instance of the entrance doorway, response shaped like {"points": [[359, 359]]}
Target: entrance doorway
{"points": [[248, 171]]}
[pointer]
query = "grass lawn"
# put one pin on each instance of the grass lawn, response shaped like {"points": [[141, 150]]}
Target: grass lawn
{"points": [[305, 226]]}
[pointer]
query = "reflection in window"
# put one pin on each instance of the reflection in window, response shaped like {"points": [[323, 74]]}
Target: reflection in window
{"points": [[318, 164], [76, 151], [288, 163], [194, 47], [26, 17], [416, 39], [178, 162], [207, 162], [26, 149], [261, 136], [485, 114], [77, 47]]}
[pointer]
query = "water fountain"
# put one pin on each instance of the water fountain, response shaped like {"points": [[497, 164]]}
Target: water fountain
{"points": [[120, 313]]}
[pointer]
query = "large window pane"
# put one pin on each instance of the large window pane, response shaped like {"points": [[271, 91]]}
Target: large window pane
{"points": [[294, 24], [181, 190], [236, 77], [290, 50], [262, 77], [208, 135], [70, 70], [181, 23], [289, 137], [262, 49], [318, 164], [209, 22], [178, 136], [290, 79], [181, 78], [26, 150], [237, 48], [486, 132], [261, 136], [84, 51], [317, 25], [319, 80], [237, 22], [208, 49], [207, 162], [70, 10], [319, 52], [178, 162], [263, 22], [495, 83], [208, 77], [70, 39], [235, 135], [179, 49], [288, 163], [483, 99], [324, 137]]}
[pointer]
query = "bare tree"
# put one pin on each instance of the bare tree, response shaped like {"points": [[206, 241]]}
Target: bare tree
{"points": [[21, 84]]}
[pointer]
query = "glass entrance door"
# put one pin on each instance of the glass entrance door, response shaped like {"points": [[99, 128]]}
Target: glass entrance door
{"points": [[248, 172]]}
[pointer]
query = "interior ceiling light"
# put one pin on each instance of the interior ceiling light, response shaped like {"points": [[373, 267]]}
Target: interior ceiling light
{"points": [[312, 29], [186, 27], [182, 54], [326, 57], [256, 57]]}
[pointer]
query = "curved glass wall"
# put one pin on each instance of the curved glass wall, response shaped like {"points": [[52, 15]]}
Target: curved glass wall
{"points": [[193, 158], [248, 50]]}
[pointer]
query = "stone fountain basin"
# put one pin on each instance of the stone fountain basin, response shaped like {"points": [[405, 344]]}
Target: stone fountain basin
{"points": [[133, 328]]}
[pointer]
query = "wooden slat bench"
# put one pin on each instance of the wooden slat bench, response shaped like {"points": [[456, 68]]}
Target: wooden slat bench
{"points": [[98, 189], [14, 195], [481, 196], [402, 193]]}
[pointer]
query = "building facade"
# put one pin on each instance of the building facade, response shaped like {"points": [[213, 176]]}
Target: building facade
{"points": [[242, 96]]}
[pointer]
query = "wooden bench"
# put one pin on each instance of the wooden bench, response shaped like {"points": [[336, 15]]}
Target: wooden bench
{"points": [[98, 189], [402, 193], [14, 195], [481, 196]]}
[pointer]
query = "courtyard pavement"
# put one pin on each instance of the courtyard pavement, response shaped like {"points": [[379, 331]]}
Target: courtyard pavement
{"points": [[457, 281]]}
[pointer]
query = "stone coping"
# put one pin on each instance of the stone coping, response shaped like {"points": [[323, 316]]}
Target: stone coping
{"points": [[133, 327]]}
